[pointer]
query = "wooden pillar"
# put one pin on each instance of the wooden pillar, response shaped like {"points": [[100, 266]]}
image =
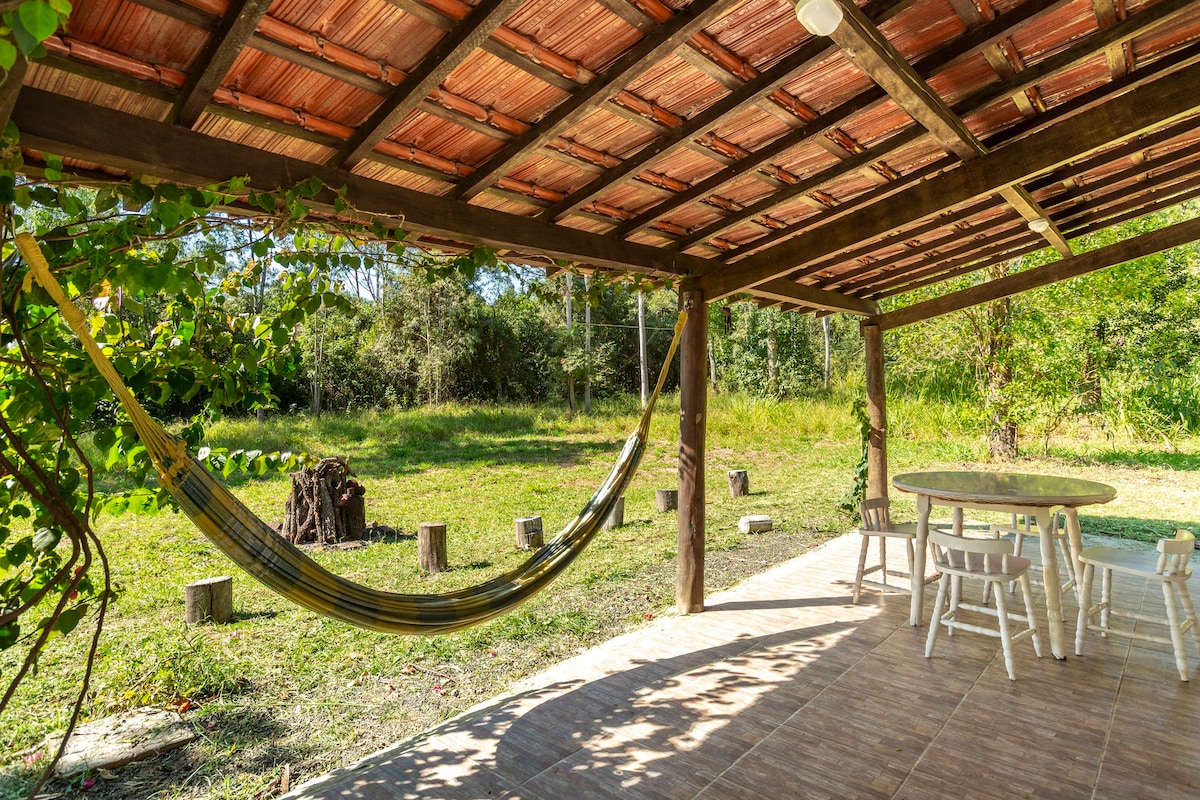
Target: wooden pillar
{"points": [[877, 480], [693, 407]]}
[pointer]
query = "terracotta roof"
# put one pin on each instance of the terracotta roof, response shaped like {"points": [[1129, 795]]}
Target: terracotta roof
{"points": [[708, 139]]}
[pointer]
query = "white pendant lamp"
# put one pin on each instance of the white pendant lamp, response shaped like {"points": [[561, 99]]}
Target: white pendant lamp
{"points": [[819, 17]]}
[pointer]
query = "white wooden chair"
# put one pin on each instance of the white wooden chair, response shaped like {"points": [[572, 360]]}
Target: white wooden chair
{"points": [[1023, 525], [991, 561], [1170, 567], [877, 524]]}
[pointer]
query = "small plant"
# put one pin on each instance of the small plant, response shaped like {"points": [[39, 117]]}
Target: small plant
{"points": [[858, 488]]}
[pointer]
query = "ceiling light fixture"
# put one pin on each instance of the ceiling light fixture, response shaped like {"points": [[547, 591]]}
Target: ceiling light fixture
{"points": [[1039, 225], [819, 17]]}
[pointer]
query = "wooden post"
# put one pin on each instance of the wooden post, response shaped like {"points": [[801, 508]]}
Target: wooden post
{"points": [[666, 499], [739, 483], [211, 598], [529, 532], [431, 546], [693, 408], [876, 411], [616, 517]]}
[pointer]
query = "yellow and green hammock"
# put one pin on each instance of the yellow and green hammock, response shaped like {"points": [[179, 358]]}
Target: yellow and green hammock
{"points": [[261, 552]]}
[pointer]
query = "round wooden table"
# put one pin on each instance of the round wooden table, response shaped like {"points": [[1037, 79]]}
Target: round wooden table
{"points": [[1037, 496]]}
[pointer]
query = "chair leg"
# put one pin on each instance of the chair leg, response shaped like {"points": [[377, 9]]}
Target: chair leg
{"points": [[1176, 634], [1005, 635], [1185, 598], [955, 598], [883, 558], [1105, 598], [1030, 616], [912, 579], [939, 607], [1085, 604], [862, 564], [1068, 563], [1018, 543]]}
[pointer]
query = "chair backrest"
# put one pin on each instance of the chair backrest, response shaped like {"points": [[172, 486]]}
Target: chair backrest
{"points": [[1173, 554], [951, 551], [875, 514]]}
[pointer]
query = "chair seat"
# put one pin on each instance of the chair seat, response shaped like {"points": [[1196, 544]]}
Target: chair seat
{"points": [[902, 530], [993, 570], [1129, 561]]}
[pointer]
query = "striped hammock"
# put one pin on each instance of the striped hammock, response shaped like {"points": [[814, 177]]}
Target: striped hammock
{"points": [[274, 561]]}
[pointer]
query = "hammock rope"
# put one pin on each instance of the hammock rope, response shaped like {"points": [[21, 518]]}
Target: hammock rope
{"points": [[281, 566]]}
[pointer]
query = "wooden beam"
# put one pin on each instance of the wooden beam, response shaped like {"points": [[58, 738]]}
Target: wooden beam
{"points": [[196, 17], [970, 44], [10, 89], [874, 54], [230, 38], [1129, 250], [75, 129], [445, 57], [1143, 109], [693, 410], [655, 46], [787, 291]]}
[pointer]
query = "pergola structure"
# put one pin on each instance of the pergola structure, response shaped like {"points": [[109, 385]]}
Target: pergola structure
{"points": [[714, 143]]}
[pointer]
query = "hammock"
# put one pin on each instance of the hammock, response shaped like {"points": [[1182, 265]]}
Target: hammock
{"points": [[274, 561]]}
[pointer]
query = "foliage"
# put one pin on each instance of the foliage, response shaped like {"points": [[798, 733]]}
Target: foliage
{"points": [[858, 488]]}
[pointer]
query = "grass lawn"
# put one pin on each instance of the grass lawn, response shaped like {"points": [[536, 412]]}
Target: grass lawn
{"points": [[284, 686]]}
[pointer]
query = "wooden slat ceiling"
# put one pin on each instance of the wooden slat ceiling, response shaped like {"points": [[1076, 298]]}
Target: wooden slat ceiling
{"points": [[710, 141]]}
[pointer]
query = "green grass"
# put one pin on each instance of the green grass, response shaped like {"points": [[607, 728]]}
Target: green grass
{"points": [[284, 686]]}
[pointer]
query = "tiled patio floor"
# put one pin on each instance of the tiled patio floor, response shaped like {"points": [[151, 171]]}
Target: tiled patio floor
{"points": [[782, 689]]}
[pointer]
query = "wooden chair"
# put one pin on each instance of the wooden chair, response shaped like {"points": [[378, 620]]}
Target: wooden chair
{"points": [[877, 524], [991, 561], [1024, 525], [1171, 568]]}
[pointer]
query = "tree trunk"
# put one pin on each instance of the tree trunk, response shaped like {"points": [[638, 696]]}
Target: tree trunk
{"points": [[570, 378], [642, 369], [825, 331], [325, 506]]}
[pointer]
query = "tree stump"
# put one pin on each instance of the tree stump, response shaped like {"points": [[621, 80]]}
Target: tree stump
{"points": [[326, 505], [739, 483], [211, 598], [616, 517], [666, 499], [529, 533], [431, 546]]}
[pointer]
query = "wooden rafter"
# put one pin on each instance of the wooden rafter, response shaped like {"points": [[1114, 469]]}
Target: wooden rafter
{"points": [[1149, 106], [445, 57], [657, 44], [1129, 250], [226, 41], [970, 44], [141, 146]]}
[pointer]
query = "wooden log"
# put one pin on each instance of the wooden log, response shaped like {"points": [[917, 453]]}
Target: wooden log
{"points": [[529, 532], [616, 517], [211, 598], [326, 505], [755, 523], [431, 546], [693, 410], [739, 483], [666, 499]]}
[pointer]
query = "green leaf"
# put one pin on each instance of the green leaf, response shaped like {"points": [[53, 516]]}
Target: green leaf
{"points": [[9, 634], [8, 54], [68, 619], [38, 18]]}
